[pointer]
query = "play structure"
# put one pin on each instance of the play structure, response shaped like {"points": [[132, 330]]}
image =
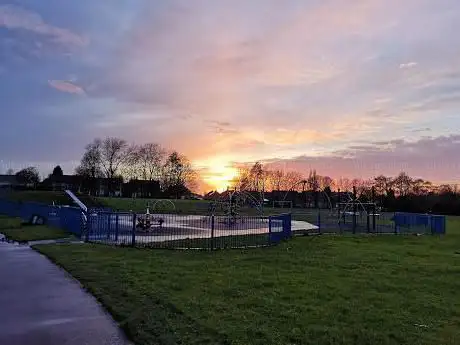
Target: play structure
{"points": [[148, 221], [232, 202]]}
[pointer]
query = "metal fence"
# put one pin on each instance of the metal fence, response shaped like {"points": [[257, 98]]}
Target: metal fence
{"points": [[319, 221], [70, 219], [186, 231], [163, 230]]}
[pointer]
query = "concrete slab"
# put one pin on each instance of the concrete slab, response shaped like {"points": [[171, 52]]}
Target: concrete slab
{"points": [[40, 304]]}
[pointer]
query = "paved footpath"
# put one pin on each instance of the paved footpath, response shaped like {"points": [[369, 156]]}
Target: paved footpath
{"points": [[40, 304]]}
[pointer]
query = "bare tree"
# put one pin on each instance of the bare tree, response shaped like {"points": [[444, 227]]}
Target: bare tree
{"points": [[113, 153], [130, 168], [325, 182], [344, 184], [275, 180], [257, 177], [313, 181], [90, 165], [178, 174], [402, 183], [150, 160], [383, 185], [242, 181], [293, 181]]}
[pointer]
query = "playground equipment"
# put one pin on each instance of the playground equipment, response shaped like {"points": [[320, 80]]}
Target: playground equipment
{"points": [[148, 221], [163, 205], [230, 204], [355, 209]]}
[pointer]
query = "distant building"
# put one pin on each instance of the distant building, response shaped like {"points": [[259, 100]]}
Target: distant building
{"points": [[9, 182], [63, 182], [99, 186], [141, 189]]}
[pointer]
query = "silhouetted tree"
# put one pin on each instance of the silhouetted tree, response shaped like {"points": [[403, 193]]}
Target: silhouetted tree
{"points": [[57, 171], [177, 174], [29, 176], [113, 153], [90, 164]]}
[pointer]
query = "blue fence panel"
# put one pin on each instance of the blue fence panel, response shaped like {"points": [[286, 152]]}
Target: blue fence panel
{"points": [[29, 209], [72, 219], [438, 225], [280, 228], [9, 208], [413, 222]]}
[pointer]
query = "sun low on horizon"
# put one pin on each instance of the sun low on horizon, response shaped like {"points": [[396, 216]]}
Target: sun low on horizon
{"points": [[217, 174]]}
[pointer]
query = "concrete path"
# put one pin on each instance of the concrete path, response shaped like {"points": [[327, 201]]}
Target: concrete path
{"points": [[40, 304]]}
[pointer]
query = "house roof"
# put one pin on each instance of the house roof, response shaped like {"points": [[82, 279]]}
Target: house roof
{"points": [[6, 180], [68, 179]]}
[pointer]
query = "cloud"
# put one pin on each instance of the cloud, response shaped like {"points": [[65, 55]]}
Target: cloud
{"points": [[435, 159], [66, 86], [408, 65], [14, 18], [243, 81]]}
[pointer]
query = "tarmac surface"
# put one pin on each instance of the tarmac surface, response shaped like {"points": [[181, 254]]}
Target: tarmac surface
{"points": [[40, 304]]}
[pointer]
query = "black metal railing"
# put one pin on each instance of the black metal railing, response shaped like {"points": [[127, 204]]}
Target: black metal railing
{"points": [[186, 231]]}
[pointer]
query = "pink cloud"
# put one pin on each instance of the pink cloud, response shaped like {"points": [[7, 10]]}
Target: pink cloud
{"points": [[435, 159], [66, 86], [13, 17]]}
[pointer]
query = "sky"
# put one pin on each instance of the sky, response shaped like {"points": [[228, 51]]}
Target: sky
{"points": [[353, 88]]}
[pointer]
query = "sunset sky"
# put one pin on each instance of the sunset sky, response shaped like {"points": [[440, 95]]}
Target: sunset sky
{"points": [[350, 87]]}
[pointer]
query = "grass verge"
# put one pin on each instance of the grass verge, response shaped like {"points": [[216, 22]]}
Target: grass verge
{"points": [[310, 290], [15, 231], [34, 233]]}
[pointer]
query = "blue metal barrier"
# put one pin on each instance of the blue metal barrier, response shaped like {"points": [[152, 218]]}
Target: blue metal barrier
{"points": [[279, 228], [67, 218], [433, 224]]}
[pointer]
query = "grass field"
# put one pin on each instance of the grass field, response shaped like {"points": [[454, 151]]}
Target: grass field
{"points": [[140, 205], [310, 290], [13, 230], [45, 197]]}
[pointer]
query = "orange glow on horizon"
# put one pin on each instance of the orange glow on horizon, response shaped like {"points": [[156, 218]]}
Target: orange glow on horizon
{"points": [[218, 174]]}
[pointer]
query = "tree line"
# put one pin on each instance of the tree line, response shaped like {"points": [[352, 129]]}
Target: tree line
{"points": [[113, 158], [398, 193]]}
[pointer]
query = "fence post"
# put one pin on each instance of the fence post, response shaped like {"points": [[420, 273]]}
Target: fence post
{"points": [[116, 228], [319, 220], [133, 235], [368, 222], [430, 223], [374, 209], [396, 223], [212, 231], [355, 210], [270, 230], [89, 224], [109, 221], [289, 225]]}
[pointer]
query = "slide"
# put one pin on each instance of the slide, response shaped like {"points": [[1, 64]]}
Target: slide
{"points": [[77, 201]]}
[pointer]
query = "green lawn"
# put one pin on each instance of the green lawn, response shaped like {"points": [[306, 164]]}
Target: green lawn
{"points": [[13, 230], [44, 197], [310, 290], [9, 223], [140, 205]]}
